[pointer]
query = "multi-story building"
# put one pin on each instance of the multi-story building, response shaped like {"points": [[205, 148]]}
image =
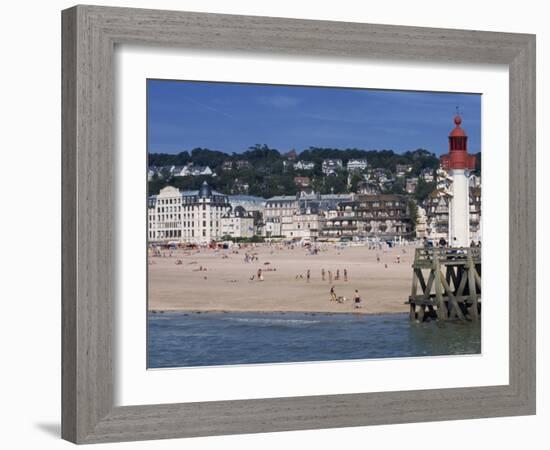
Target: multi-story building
{"points": [[427, 174], [421, 223], [304, 165], [475, 214], [474, 181], [402, 169], [248, 202], [305, 223], [189, 216], [164, 215], [301, 215], [384, 216], [411, 184], [331, 166], [242, 164], [280, 206], [357, 165], [227, 166], [272, 227], [437, 214], [368, 187], [191, 171], [240, 187], [237, 223], [438, 207]]}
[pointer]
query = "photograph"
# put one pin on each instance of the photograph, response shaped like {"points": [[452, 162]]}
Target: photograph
{"points": [[302, 223]]}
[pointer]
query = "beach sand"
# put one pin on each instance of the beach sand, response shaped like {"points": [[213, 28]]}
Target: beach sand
{"points": [[225, 285]]}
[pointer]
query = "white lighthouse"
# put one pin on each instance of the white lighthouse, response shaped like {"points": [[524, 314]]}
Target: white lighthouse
{"points": [[459, 163]]}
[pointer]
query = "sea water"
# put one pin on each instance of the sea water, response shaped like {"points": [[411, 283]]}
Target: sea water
{"points": [[184, 339]]}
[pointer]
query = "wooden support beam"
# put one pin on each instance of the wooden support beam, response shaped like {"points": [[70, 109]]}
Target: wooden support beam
{"points": [[472, 288], [453, 304], [442, 312], [414, 289]]}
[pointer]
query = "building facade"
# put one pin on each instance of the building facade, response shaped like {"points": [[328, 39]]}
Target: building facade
{"points": [[439, 205], [189, 216], [331, 166], [164, 215], [304, 165], [357, 165], [382, 216], [237, 223]]}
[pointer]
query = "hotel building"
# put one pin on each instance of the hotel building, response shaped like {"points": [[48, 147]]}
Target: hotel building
{"points": [[384, 215], [189, 216]]}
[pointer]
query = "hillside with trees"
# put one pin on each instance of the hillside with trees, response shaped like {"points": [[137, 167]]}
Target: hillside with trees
{"points": [[268, 172]]}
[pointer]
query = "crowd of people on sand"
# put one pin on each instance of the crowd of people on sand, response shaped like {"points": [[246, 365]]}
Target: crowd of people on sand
{"points": [[329, 275]]}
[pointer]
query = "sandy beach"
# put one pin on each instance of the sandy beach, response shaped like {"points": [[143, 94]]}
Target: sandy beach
{"points": [[225, 284]]}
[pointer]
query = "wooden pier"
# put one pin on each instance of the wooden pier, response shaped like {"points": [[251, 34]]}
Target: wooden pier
{"points": [[452, 288]]}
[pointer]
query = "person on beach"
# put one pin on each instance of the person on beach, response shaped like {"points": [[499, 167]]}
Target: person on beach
{"points": [[333, 297], [330, 277], [345, 274], [308, 276], [260, 276], [337, 277], [377, 258], [323, 274], [356, 299]]}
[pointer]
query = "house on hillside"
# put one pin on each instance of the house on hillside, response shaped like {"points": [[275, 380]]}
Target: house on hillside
{"points": [[331, 166], [304, 165], [357, 165]]}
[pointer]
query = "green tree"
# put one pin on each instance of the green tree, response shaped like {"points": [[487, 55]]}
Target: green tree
{"points": [[354, 182], [423, 189]]}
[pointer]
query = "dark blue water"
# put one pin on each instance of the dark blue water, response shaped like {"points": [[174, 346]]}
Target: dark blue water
{"points": [[177, 339]]}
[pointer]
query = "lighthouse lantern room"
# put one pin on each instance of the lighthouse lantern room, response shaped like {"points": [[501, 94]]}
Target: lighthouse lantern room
{"points": [[459, 163]]}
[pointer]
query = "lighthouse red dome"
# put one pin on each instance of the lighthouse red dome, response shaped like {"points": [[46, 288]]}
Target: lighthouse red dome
{"points": [[457, 131], [458, 157]]}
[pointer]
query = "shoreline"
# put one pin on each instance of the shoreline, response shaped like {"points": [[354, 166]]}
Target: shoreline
{"points": [[305, 312]]}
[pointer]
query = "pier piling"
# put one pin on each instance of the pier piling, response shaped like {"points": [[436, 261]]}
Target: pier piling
{"points": [[453, 287]]}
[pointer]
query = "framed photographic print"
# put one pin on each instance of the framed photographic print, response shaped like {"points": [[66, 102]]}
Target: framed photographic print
{"points": [[278, 224]]}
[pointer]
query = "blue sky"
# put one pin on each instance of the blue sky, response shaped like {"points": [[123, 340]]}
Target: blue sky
{"points": [[231, 117]]}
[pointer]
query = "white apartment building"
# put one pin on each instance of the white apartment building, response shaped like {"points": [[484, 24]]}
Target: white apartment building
{"points": [[272, 227], [331, 166], [280, 206], [190, 216], [237, 223], [357, 165], [191, 171], [302, 224], [304, 165], [164, 215]]}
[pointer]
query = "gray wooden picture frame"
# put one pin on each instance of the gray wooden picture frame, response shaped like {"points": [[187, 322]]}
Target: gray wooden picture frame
{"points": [[90, 34]]}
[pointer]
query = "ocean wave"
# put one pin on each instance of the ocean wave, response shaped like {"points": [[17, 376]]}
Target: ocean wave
{"points": [[260, 321]]}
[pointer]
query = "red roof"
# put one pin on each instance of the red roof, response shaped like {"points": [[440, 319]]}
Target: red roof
{"points": [[457, 132]]}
